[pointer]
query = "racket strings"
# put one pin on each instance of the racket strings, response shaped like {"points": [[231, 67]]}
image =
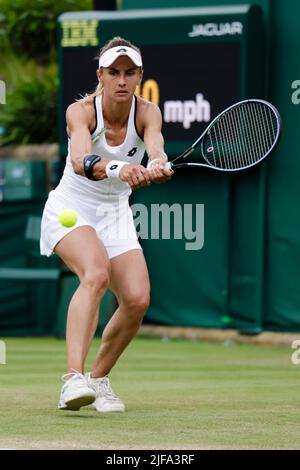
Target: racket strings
{"points": [[241, 137]]}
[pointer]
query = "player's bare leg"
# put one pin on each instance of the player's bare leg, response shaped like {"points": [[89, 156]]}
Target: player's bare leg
{"points": [[85, 255], [130, 283]]}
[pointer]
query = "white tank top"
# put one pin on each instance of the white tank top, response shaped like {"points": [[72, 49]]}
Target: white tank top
{"points": [[131, 150]]}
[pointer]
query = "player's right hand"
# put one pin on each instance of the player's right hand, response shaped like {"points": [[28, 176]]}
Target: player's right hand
{"points": [[158, 171], [136, 176]]}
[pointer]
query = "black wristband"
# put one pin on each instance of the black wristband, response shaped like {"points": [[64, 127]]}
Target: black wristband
{"points": [[88, 163]]}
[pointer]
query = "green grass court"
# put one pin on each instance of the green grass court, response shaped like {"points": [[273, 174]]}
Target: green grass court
{"points": [[179, 395]]}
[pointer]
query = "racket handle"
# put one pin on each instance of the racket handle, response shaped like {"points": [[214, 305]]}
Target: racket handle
{"points": [[168, 166]]}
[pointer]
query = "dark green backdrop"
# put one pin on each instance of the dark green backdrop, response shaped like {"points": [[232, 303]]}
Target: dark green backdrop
{"points": [[246, 274], [260, 235]]}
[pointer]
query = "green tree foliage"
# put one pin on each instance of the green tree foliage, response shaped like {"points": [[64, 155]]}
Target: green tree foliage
{"points": [[30, 25], [28, 66], [30, 113]]}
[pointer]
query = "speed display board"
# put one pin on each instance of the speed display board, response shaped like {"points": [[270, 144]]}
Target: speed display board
{"points": [[197, 61]]}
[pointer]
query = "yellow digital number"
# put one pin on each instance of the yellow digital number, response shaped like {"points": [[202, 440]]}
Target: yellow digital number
{"points": [[149, 90]]}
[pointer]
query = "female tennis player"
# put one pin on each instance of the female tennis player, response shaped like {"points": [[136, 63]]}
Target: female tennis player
{"points": [[108, 133]]}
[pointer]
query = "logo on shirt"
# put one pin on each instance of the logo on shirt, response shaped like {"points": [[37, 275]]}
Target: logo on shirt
{"points": [[132, 152]]}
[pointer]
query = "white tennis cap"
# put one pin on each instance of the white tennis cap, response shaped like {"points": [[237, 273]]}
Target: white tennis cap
{"points": [[112, 54]]}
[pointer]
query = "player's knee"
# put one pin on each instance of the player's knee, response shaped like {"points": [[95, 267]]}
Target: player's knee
{"points": [[138, 302], [96, 280], [143, 304]]}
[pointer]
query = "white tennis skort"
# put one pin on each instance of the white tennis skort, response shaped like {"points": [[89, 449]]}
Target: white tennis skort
{"points": [[112, 221]]}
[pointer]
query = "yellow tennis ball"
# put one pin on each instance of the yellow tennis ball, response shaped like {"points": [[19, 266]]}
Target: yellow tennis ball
{"points": [[68, 217]]}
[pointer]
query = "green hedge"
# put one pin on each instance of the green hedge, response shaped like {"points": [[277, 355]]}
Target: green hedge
{"points": [[28, 66], [30, 25]]}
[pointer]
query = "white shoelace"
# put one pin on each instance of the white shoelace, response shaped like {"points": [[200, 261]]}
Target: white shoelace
{"points": [[105, 388], [78, 377]]}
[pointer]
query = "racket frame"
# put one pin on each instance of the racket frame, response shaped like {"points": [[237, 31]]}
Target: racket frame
{"points": [[197, 142]]}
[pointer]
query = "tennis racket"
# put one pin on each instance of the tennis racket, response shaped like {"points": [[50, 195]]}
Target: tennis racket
{"points": [[240, 137]]}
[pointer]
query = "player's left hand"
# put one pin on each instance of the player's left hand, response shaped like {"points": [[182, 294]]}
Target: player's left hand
{"points": [[157, 171]]}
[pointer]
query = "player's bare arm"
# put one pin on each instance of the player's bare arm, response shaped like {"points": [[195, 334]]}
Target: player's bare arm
{"points": [[79, 119], [154, 144]]}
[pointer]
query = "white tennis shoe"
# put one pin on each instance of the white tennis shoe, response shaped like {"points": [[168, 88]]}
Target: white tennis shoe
{"points": [[106, 400], [75, 392]]}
